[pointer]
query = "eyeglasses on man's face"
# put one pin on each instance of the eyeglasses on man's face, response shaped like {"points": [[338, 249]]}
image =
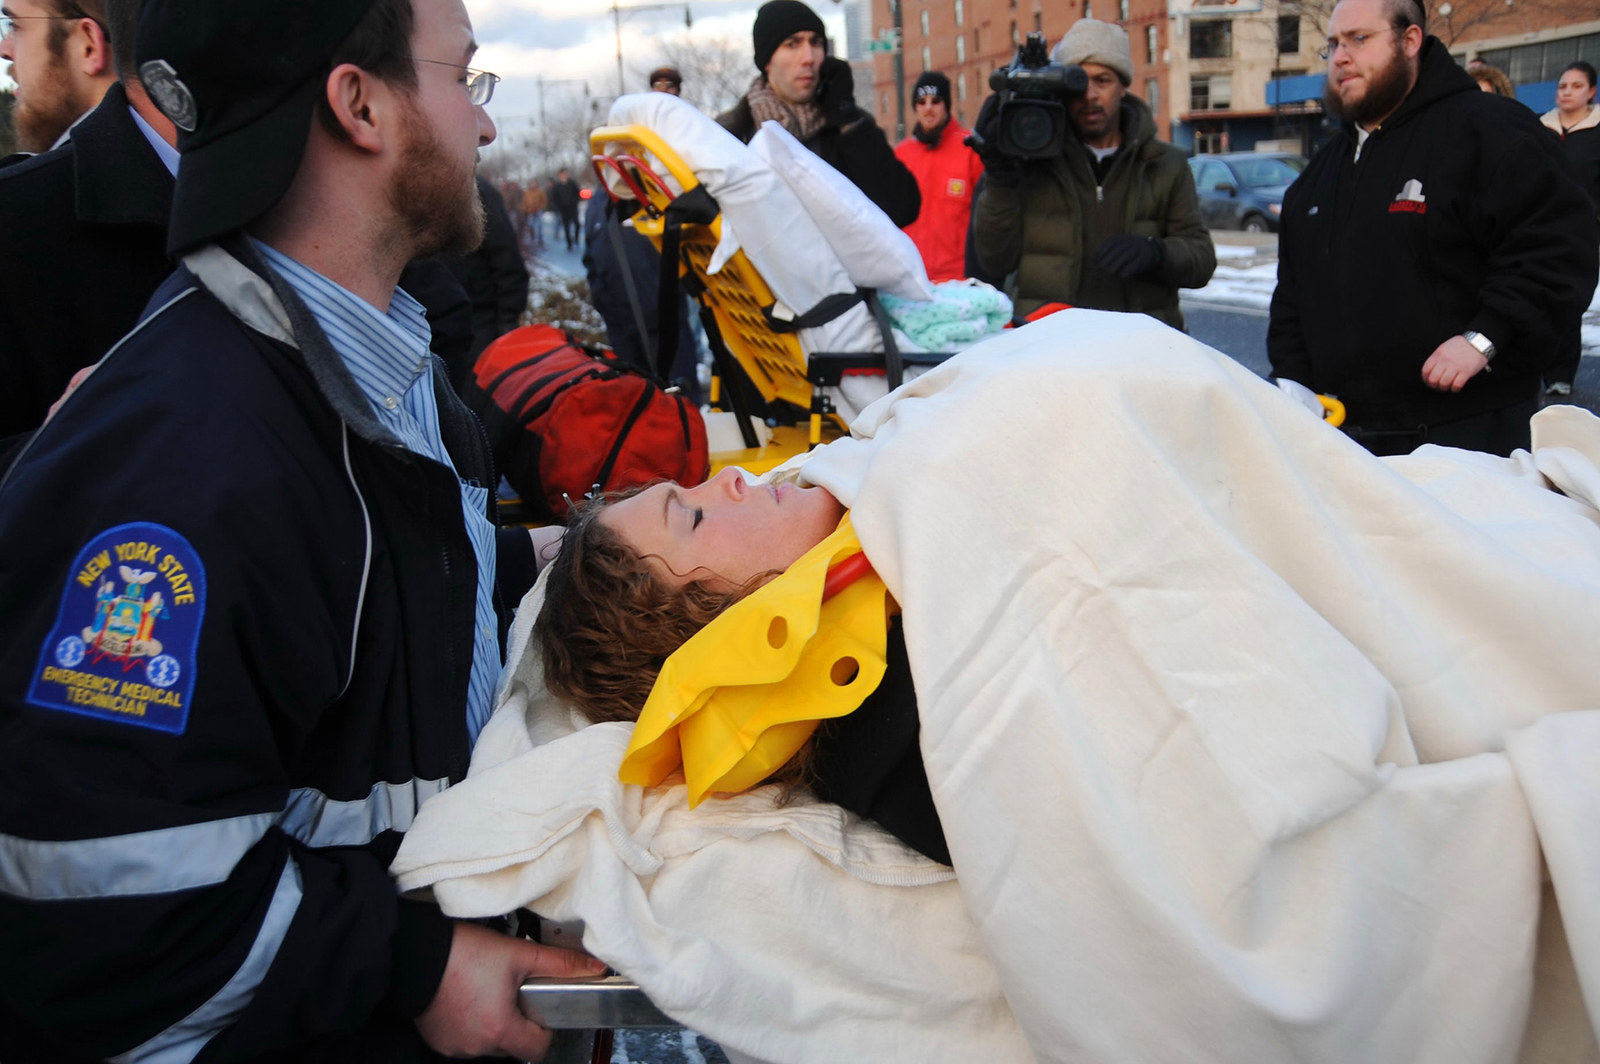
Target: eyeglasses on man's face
{"points": [[8, 23], [480, 83], [1350, 42]]}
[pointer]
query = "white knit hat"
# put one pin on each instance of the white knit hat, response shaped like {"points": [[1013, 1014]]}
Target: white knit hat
{"points": [[1092, 41]]}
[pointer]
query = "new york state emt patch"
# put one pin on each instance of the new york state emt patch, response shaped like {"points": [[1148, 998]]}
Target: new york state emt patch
{"points": [[123, 646]]}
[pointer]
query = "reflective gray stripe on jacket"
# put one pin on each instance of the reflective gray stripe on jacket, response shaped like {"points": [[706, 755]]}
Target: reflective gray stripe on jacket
{"points": [[169, 860], [183, 1041]]}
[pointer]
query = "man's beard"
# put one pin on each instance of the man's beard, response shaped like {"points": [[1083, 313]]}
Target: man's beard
{"points": [[930, 137], [434, 197], [47, 107], [1385, 91]]}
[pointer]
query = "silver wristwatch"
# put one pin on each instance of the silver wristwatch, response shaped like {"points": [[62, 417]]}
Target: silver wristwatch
{"points": [[1481, 343]]}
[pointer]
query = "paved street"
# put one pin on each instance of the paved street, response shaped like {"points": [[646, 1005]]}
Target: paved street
{"points": [[1230, 314]]}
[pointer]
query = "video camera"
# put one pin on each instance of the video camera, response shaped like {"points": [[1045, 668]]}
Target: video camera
{"points": [[1033, 96]]}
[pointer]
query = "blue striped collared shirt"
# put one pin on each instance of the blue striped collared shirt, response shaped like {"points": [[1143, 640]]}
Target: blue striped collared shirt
{"points": [[388, 356]]}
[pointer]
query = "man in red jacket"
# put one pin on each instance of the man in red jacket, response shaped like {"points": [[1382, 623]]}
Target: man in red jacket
{"points": [[947, 171]]}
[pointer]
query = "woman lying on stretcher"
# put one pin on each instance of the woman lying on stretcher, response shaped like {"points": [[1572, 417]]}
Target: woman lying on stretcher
{"points": [[640, 574]]}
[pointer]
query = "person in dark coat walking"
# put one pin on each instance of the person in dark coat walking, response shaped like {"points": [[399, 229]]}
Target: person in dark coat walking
{"points": [[564, 201]]}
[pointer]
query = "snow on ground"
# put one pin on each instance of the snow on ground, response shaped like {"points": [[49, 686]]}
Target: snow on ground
{"points": [[1247, 275]]}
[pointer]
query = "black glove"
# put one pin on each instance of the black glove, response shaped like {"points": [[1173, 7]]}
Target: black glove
{"points": [[836, 92], [1000, 171], [1128, 256]]}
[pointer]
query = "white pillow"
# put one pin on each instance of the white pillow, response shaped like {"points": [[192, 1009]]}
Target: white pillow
{"points": [[874, 251], [759, 213]]}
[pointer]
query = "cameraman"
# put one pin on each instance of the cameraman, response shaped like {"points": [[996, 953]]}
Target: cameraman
{"points": [[1110, 223], [812, 95]]}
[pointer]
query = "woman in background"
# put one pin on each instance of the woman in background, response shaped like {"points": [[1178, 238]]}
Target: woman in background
{"points": [[1576, 120]]}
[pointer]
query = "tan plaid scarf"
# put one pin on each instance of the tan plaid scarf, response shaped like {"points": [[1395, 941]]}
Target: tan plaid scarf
{"points": [[803, 121]]}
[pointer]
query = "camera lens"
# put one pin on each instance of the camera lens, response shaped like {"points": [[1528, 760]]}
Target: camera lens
{"points": [[1032, 129]]}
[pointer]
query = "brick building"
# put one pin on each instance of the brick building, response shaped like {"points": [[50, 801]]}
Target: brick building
{"points": [[1220, 75], [967, 39]]}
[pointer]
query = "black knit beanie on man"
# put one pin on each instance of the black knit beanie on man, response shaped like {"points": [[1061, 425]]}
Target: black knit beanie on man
{"points": [[776, 22], [931, 83]]}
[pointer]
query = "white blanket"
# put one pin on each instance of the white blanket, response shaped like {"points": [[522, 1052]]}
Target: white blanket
{"points": [[1244, 742]]}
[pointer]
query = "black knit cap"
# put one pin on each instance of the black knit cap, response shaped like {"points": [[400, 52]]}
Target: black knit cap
{"points": [[931, 83], [240, 79], [776, 22]]}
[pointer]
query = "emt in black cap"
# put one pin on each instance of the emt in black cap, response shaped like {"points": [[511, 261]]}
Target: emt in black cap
{"points": [[249, 572], [812, 95]]}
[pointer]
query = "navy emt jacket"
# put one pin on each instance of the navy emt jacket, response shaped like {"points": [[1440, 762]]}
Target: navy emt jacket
{"points": [[235, 655]]}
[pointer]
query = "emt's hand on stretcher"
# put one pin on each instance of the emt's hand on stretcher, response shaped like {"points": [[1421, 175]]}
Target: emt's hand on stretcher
{"points": [[474, 1012], [1452, 364]]}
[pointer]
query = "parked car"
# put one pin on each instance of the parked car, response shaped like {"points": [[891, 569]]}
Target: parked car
{"points": [[1244, 189]]}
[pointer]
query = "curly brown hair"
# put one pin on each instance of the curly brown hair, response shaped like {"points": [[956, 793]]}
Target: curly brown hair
{"points": [[1499, 84], [609, 623]]}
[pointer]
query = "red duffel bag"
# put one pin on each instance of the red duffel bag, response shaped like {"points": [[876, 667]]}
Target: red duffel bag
{"points": [[563, 418]]}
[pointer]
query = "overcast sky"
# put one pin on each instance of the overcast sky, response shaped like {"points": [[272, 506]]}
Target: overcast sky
{"points": [[572, 46]]}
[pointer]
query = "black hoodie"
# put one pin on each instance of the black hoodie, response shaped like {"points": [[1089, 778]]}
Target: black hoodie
{"points": [[1459, 215]]}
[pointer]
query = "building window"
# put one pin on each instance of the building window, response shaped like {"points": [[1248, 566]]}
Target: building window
{"points": [[961, 49], [1038, 18], [1150, 43], [1288, 34], [1088, 8], [1122, 10], [883, 103], [1016, 36], [1210, 92], [1543, 60], [1152, 94], [924, 23], [961, 86], [1211, 39], [975, 49], [927, 58], [960, 13]]}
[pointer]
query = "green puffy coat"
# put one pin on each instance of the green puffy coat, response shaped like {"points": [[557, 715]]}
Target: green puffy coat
{"points": [[1049, 227]]}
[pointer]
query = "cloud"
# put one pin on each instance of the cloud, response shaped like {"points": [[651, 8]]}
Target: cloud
{"points": [[523, 40], [558, 58]]}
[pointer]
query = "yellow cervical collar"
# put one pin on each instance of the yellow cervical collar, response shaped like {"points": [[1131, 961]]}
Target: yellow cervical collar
{"points": [[739, 698]]}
